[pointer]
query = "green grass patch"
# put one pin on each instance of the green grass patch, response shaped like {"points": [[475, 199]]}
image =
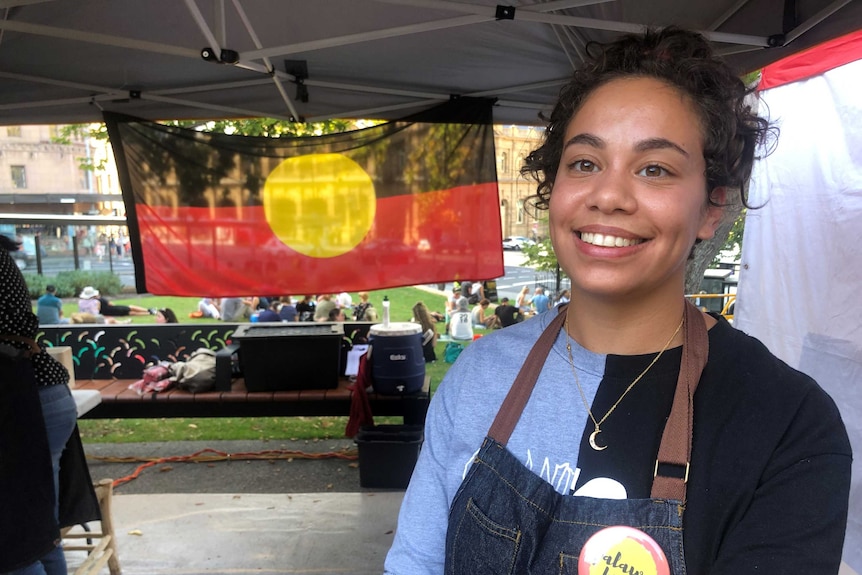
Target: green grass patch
{"points": [[215, 429], [401, 301]]}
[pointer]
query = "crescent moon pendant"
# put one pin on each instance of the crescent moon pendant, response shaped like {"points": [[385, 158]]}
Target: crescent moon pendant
{"points": [[593, 443]]}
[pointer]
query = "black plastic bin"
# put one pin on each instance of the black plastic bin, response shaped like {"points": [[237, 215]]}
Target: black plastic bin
{"points": [[290, 356], [387, 455]]}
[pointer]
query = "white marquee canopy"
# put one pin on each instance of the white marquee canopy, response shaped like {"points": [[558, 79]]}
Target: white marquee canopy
{"points": [[63, 61]]}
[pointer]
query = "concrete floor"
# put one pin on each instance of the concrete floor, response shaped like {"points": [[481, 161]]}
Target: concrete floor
{"points": [[237, 517], [237, 534]]}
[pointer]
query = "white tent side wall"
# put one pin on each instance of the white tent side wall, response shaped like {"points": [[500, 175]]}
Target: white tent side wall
{"points": [[800, 288]]}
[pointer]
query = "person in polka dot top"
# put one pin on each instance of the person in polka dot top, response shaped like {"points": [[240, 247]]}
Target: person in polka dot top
{"points": [[17, 320]]}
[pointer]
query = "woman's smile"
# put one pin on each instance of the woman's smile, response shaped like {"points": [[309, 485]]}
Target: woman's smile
{"points": [[607, 240]]}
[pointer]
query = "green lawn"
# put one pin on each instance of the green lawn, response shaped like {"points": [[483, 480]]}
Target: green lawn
{"points": [[256, 428]]}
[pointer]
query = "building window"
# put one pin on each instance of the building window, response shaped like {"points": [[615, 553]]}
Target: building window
{"points": [[13, 131], [520, 219], [504, 162], [19, 177]]}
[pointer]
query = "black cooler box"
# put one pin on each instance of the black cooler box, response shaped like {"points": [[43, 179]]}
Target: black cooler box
{"points": [[290, 356]]}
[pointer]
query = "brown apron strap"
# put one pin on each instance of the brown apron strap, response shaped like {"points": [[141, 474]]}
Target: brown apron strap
{"points": [[519, 393], [672, 463], [674, 453]]}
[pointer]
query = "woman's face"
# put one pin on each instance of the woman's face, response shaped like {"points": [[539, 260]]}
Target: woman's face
{"points": [[160, 317], [630, 197]]}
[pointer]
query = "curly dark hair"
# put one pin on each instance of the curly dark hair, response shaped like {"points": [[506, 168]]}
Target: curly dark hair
{"points": [[684, 60]]}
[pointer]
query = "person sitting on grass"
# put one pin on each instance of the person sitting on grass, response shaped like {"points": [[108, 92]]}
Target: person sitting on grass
{"points": [[49, 308], [287, 311], [564, 297], [507, 313], [522, 302], [88, 301], [484, 321], [325, 304], [207, 307], [235, 308], [460, 323], [422, 316], [270, 315], [305, 308], [364, 310]]}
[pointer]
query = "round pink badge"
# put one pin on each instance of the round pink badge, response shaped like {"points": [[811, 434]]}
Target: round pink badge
{"points": [[621, 550]]}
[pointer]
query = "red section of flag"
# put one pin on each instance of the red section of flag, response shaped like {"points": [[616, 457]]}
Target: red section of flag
{"points": [[232, 251], [813, 62]]}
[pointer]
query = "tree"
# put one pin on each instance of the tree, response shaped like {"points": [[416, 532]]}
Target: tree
{"points": [[734, 239], [706, 252], [265, 127]]}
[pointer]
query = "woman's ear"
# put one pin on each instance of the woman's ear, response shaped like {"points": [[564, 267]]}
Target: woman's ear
{"points": [[713, 214]]}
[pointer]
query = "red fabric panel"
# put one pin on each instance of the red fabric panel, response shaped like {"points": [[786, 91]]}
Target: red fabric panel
{"points": [[232, 251], [812, 62]]}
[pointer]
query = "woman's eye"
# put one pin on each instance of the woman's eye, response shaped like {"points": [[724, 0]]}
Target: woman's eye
{"points": [[583, 166], [654, 171]]}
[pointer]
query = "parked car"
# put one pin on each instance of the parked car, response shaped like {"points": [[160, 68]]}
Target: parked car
{"points": [[517, 242]]}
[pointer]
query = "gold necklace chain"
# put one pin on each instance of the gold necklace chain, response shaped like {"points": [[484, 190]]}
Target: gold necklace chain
{"points": [[598, 423]]}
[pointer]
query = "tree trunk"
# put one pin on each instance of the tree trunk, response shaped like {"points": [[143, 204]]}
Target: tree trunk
{"points": [[705, 251]]}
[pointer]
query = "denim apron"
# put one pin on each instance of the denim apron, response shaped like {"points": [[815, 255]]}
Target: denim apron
{"points": [[505, 519]]}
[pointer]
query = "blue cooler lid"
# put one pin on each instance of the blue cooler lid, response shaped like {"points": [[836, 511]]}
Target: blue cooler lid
{"points": [[395, 329]]}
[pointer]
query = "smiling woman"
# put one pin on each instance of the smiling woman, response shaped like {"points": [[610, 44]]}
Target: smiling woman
{"points": [[587, 416]]}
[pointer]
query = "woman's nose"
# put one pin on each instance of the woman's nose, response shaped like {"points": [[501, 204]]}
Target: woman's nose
{"points": [[613, 191]]}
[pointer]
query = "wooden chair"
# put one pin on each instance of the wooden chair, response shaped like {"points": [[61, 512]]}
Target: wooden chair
{"points": [[101, 545]]}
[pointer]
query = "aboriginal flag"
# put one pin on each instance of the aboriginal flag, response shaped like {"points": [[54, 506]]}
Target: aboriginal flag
{"points": [[403, 203]]}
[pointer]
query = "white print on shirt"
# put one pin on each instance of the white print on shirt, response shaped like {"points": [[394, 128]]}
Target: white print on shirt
{"points": [[565, 477], [602, 488]]}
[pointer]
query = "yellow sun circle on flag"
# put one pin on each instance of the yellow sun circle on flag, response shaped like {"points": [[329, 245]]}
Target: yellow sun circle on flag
{"points": [[321, 205]]}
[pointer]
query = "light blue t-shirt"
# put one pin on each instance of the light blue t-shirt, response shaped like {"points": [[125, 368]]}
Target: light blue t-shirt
{"points": [[546, 438], [541, 302]]}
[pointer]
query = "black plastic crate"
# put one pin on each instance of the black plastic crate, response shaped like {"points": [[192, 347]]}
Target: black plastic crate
{"points": [[285, 357], [388, 454]]}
